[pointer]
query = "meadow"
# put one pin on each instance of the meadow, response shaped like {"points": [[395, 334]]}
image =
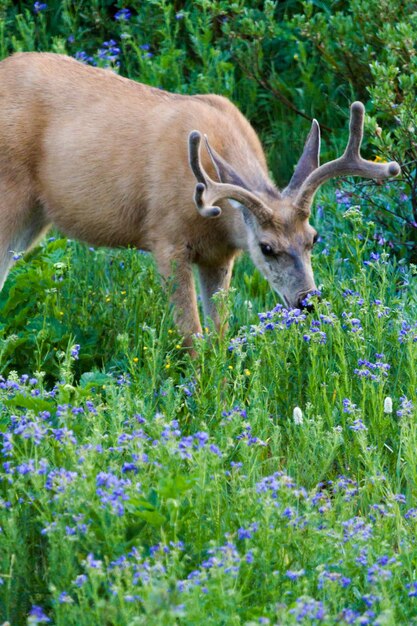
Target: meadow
{"points": [[273, 478]]}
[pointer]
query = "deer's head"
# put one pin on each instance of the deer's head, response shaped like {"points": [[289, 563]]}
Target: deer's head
{"points": [[280, 238]]}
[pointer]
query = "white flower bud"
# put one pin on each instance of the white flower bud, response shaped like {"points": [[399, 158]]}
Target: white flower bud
{"points": [[297, 416], [388, 405]]}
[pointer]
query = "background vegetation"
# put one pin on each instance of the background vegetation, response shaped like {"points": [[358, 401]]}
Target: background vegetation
{"points": [[273, 479]]}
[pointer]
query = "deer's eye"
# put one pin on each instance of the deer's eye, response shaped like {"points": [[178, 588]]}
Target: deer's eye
{"points": [[266, 249]]}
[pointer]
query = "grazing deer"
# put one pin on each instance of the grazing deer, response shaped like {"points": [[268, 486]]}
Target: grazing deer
{"points": [[117, 163]]}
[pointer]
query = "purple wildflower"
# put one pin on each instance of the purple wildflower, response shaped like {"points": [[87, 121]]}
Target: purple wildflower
{"points": [[123, 15], [38, 7], [37, 615]]}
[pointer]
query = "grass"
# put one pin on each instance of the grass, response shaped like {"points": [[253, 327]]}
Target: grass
{"points": [[139, 486]]}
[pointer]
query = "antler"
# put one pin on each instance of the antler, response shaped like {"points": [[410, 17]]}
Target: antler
{"points": [[349, 164], [208, 191]]}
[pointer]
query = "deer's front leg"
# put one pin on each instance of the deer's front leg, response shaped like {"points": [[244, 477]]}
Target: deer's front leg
{"points": [[212, 279], [177, 272]]}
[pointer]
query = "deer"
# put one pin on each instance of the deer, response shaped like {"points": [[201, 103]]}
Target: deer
{"points": [[113, 162]]}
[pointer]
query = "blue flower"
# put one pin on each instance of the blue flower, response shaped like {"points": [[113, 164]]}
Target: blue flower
{"points": [[407, 407], [82, 56], [37, 8], [80, 580], [349, 407], [65, 598], [75, 351], [37, 615], [412, 589], [123, 15], [292, 575]]}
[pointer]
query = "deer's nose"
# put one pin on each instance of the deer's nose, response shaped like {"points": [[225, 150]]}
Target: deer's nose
{"points": [[305, 304]]}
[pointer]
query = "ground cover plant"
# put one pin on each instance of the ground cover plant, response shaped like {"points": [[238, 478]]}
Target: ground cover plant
{"points": [[270, 480]]}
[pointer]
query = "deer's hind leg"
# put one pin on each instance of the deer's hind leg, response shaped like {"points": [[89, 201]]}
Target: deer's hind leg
{"points": [[22, 222]]}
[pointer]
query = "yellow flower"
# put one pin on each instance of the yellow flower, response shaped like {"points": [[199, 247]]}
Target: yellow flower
{"points": [[178, 347], [170, 331], [247, 372], [167, 366], [230, 367], [123, 292], [135, 359], [379, 159]]}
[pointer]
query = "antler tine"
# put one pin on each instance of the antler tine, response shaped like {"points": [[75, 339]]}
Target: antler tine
{"points": [[349, 164], [203, 178], [357, 116], [208, 191]]}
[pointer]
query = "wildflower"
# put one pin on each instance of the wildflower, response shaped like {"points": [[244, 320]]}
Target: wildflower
{"points": [[412, 589], [110, 490], [308, 609], [297, 416], [80, 580], [406, 407], [388, 405], [375, 256], [37, 615], [356, 529], [75, 351], [215, 449], [292, 575], [37, 8], [351, 324], [129, 467], [109, 52], [247, 533], [123, 15], [407, 332], [249, 558], [65, 598], [358, 425], [349, 407], [201, 438], [342, 197], [92, 562], [59, 479], [372, 371], [380, 570], [82, 56]]}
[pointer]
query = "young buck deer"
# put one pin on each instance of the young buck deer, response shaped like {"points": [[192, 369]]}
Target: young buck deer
{"points": [[117, 163]]}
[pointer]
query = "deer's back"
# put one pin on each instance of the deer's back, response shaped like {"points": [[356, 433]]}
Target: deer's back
{"points": [[106, 156]]}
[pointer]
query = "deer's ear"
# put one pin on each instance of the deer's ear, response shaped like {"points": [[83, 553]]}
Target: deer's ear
{"points": [[309, 160]]}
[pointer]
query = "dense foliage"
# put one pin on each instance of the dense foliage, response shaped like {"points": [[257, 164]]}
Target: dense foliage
{"points": [[271, 480]]}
